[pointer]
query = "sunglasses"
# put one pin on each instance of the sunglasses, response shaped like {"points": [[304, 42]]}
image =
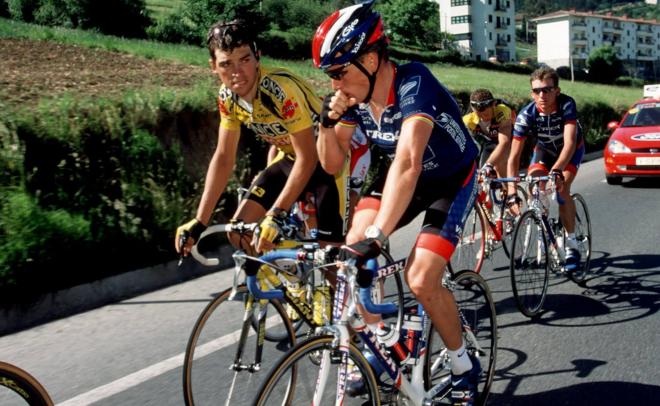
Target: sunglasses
{"points": [[337, 74], [545, 89], [221, 30], [481, 105]]}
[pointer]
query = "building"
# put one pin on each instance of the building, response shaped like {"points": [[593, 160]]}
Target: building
{"points": [[566, 38], [483, 29]]}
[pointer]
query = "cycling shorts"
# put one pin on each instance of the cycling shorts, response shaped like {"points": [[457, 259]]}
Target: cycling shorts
{"points": [[447, 205], [543, 159], [329, 194]]}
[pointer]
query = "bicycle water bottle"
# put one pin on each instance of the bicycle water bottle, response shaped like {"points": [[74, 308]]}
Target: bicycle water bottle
{"points": [[322, 305], [389, 337], [412, 326]]}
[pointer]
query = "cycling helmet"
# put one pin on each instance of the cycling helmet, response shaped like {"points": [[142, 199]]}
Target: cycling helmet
{"points": [[346, 34]]}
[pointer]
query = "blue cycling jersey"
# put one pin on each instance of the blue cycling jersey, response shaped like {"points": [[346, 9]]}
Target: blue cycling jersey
{"points": [[549, 129], [416, 94]]}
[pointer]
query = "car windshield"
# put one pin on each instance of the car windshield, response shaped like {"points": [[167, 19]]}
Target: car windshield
{"points": [[643, 115]]}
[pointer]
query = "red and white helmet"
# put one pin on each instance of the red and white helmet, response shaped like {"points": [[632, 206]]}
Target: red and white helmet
{"points": [[346, 34]]}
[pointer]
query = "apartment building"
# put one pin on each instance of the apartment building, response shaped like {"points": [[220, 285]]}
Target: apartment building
{"points": [[568, 37], [483, 29]]}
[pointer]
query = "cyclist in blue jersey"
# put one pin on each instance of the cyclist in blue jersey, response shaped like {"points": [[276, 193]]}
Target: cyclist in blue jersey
{"points": [[406, 112], [552, 118]]}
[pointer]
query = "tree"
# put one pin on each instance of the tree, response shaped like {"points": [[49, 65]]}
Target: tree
{"points": [[412, 22], [604, 66]]}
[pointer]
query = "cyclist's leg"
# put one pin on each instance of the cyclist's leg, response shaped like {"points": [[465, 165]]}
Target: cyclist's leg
{"points": [[567, 210]]}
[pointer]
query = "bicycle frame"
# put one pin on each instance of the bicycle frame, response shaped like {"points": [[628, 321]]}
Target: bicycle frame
{"points": [[344, 314]]}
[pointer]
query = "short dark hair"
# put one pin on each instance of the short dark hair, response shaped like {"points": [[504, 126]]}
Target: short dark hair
{"points": [[227, 35], [481, 95], [544, 73]]}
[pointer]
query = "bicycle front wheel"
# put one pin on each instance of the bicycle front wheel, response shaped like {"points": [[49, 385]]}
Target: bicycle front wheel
{"points": [[321, 364], [219, 365], [471, 248], [509, 220], [583, 237], [17, 387], [529, 264], [477, 313]]}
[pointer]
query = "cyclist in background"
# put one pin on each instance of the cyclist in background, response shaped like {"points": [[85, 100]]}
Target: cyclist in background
{"points": [[490, 121], [282, 109], [405, 111], [552, 117]]}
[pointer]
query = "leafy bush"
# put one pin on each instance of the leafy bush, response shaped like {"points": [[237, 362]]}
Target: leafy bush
{"points": [[4, 9], [23, 10], [174, 29], [629, 81], [294, 44], [604, 66], [593, 118], [445, 56]]}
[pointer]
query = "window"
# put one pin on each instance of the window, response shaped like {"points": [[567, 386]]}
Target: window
{"points": [[508, 37], [490, 1], [490, 36], [593, 29], [490, 18], [508, 21], [508, 4], [460, 2], [593, 43], [461, 19]]}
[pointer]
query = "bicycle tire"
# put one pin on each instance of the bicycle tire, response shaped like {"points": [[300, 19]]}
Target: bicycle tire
{"points": [[477, 308], [507, 237], [583, 236], [529, 274], [305, 358], [471, 248], [210, 346], [25, 389]]}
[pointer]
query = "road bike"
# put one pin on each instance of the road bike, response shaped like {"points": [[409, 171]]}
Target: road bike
{"points": [[413, 367], [247, 325], [489, 225], [538, 245], [17, 387]]}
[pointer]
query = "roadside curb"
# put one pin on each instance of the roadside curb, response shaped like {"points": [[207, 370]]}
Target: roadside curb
{"points": [[81, 298]]}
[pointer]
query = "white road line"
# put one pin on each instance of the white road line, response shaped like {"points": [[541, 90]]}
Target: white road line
{"points": [[143, 375]]}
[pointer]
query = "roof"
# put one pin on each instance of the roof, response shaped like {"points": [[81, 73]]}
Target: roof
{"points": [[608, 16]]}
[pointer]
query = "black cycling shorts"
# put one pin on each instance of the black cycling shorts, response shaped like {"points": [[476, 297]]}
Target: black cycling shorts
{"points": [[330, 194]]}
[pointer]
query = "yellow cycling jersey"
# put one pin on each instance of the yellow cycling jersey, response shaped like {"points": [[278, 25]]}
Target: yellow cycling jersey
{"points": [[284, 104], [502, 113]]}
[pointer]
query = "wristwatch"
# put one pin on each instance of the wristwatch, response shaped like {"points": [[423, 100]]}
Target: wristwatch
{"points": [[376, 233]]}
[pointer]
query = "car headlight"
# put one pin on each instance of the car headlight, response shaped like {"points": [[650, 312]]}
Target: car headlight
{"points": [[617, 147]]}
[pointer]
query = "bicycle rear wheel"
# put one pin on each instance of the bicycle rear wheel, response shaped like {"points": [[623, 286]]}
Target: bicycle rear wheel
{"points": [[529, 264], [477, 312], [17, 387], [583, 237], [219, 365], [471, 248], [320, 364]]}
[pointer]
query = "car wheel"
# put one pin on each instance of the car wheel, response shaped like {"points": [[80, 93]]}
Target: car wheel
{"points": [[614, 180]]}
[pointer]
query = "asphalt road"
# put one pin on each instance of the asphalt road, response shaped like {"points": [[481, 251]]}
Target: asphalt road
{"points": [[595, 344]]}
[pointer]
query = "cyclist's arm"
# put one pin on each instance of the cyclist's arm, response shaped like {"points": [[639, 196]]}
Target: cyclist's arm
{"points": [[333, 146], [217, 175], [303, 167], [567, 151], [272, 153], [503, 143], [403, 173], [513, 163]]}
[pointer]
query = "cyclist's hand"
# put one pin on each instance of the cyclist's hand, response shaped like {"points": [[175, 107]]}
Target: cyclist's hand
{"points": [[558, 178], [361, 251], [334, 106], [269, 229], [488, 171], [187, 235]]}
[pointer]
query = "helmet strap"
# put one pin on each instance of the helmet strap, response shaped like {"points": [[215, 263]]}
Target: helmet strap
{"points": [[370, 76]]}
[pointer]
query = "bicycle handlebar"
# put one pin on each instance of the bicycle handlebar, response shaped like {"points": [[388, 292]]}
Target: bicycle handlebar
{"points": [[238, 227]]}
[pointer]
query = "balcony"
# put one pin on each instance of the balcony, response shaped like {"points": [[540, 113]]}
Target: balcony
{"points": [[580, 39], [501, 26], [644, 30], [501, 43], [500, 6]]}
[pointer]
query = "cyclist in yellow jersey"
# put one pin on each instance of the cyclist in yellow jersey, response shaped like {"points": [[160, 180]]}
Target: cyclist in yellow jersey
{"points": [[490, 122], [280, 108]]}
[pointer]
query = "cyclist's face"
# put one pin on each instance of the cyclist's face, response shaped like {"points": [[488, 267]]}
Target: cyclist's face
{"points": [[545, 95], [237, 69], [486, 114], [351, 80]]}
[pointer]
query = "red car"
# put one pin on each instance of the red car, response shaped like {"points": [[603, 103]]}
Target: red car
{"points": [[633, 150]]}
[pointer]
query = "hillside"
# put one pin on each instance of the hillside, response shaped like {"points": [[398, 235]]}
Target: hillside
{"points": [[635, 9]]}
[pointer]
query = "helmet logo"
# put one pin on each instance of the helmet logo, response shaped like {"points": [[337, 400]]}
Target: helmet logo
{"points": [[358, 43], [347, 30]]}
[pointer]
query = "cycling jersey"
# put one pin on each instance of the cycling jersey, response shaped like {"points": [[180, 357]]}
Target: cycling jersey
{"points": [[489, 130], [360, 160], [549, 129], [416, 94], [284, 104]]}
